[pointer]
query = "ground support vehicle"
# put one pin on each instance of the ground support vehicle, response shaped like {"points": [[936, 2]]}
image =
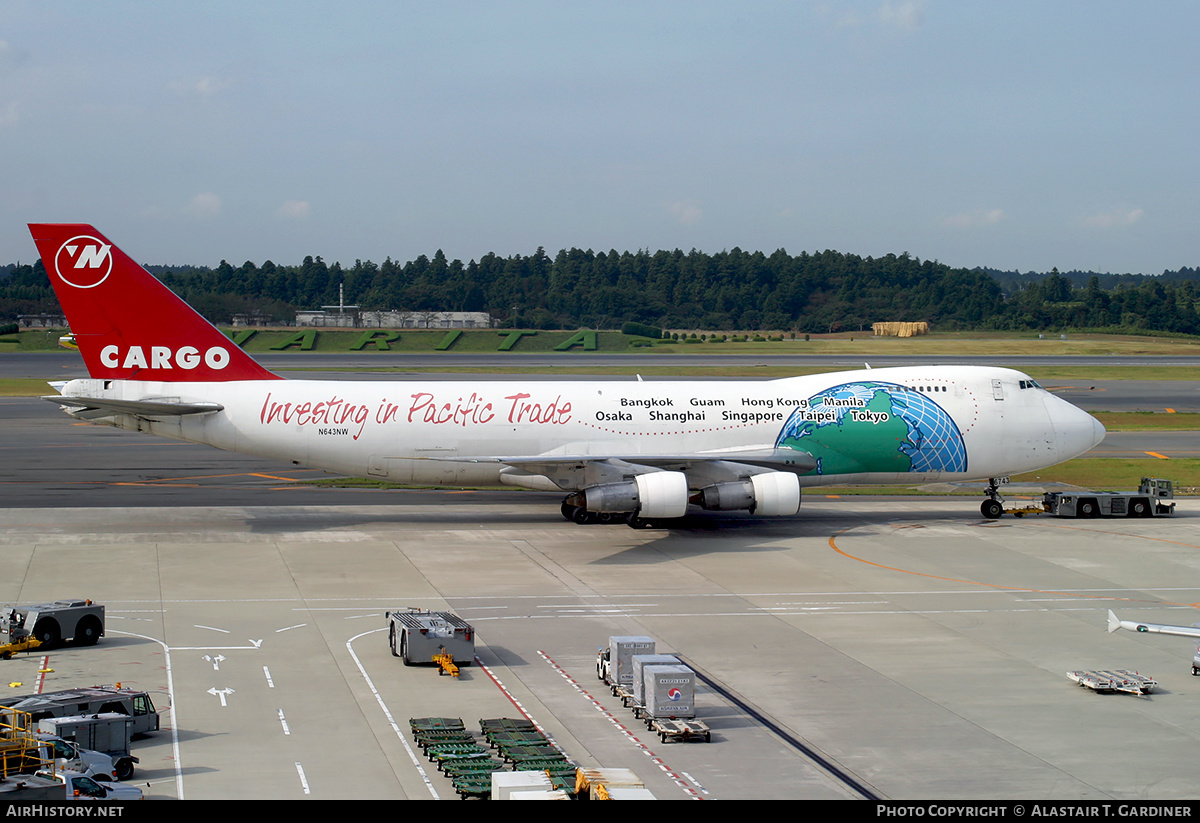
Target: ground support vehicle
{"points": [[1021, 511], [1115, 680], [417, 636], [600, 784], [79, 621], [25, 749], [624, 694], [525, 748], [445, 663], [108, 734], [77, 786], [91, 700], [658, 688], [1154, 498], [26, 788], [71, 757], [470, 774], [667, 701], [21, 752], [509, 745], [27, 644]]}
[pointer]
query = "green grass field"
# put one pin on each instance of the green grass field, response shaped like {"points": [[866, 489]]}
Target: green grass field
{"points": [[862, 344]]}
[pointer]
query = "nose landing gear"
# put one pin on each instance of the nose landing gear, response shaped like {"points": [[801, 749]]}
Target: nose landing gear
{"points": [[993, 507]]}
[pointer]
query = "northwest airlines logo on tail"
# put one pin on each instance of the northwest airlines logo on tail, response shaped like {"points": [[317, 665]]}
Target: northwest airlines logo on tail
{"points": [[83, 262], [132, 327]]}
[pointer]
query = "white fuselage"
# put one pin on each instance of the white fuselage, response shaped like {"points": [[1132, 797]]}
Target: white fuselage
{"points": [[869, 426]]}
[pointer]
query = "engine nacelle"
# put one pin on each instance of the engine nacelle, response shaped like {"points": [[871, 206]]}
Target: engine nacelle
{"points": [[770, 494], [654, 494]]}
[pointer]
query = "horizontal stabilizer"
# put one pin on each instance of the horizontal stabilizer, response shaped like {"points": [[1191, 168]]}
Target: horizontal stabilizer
{"points": [[1115, 623], [89, 407]]}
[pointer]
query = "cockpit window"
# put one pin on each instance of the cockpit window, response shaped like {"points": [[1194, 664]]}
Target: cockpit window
{"points": [[1030, 384]]}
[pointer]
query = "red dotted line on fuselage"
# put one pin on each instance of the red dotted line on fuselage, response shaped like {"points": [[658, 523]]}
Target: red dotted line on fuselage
{"points": [[949, 384], [688, 431]]}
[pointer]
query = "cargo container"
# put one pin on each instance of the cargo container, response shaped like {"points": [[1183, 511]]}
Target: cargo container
{"points": [[640, 661], [670, 691], [614, 664]]}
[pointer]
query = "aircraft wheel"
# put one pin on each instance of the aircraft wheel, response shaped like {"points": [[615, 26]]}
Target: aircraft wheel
{"points": [[581, 516], [636, 522], [991, 509]]}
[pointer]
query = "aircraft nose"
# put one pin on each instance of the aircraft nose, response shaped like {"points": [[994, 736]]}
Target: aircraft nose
{"points": [[1078, 432]]}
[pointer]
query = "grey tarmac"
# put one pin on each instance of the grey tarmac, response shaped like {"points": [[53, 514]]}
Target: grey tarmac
{"points": [[921, 650]]}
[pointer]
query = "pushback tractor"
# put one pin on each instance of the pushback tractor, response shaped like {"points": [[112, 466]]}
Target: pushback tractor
{"points": [[418, 636], [1154, 498], [78, 621]]}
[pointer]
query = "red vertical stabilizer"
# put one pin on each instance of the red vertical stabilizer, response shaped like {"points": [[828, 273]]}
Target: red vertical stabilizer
{"points": [[127, 324]]}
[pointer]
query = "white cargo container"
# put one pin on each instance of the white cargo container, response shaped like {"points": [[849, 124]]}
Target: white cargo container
{"points": [[629, 793], [614, 665], [670, 691], [505, 783], [640, 661]]}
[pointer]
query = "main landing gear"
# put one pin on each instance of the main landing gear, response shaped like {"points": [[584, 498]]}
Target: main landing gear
{"points": [[993, 507], [580, 515]]}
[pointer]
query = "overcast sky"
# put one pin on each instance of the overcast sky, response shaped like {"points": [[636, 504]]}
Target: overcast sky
{"points": [[1016, 135]]}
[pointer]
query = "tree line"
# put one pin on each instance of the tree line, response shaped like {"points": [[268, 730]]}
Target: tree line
{"points": [[811, 293]]}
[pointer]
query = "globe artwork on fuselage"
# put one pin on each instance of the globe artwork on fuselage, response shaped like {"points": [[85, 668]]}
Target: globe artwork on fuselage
{"points": [[874, 427]]}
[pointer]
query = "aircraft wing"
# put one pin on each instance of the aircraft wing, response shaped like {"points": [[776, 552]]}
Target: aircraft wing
{"points": [[1115, 623], [88, 408], [788, 460]]}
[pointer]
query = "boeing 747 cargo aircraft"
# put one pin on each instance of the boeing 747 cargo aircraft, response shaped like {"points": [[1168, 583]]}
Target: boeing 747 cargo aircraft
{"points": [[636, 452]]}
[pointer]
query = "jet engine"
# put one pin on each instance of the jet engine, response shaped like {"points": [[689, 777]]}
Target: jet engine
{"points": [[770, 494], [651, 495]]}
